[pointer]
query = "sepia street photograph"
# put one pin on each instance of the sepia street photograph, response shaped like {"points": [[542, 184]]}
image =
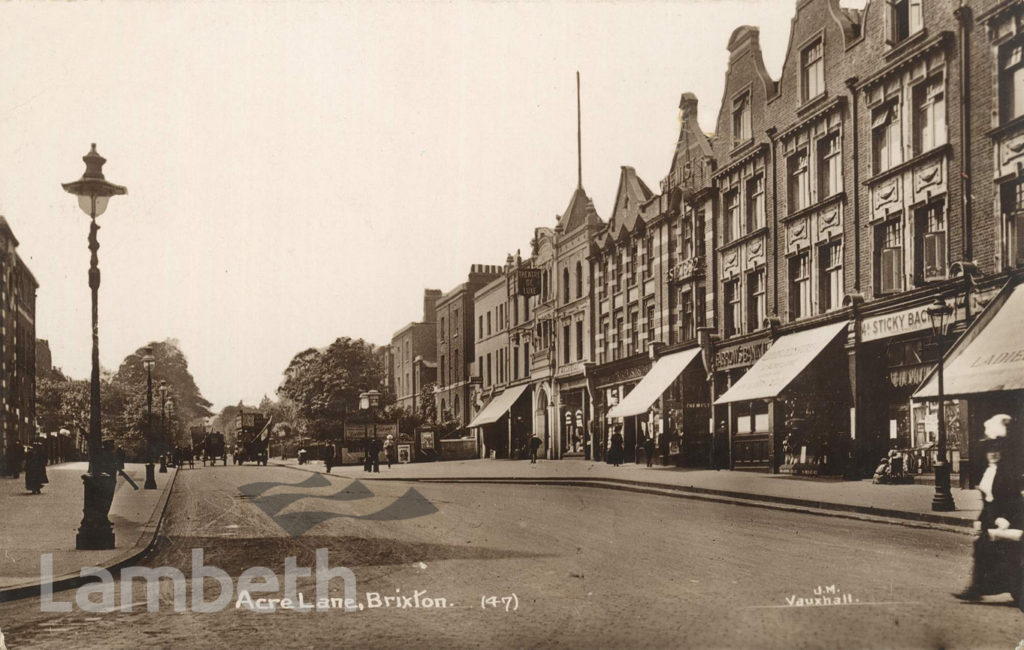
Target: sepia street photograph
{"points": [[512, 324]]}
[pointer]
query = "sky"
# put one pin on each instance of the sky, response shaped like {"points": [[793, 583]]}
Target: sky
{"points": [[301, 171]]}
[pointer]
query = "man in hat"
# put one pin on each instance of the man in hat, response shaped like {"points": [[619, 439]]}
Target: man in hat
{"points": [[997, 564]]}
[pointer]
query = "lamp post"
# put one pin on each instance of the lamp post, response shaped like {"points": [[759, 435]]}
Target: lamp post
{"points": [[163, 426], [368, 401], [938, 313], [148, 362], [94, 192]]}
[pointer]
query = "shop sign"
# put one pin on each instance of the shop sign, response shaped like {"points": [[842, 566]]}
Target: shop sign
{"points": [[741, 355], [355, 432], [911, 376], [901, 322]]}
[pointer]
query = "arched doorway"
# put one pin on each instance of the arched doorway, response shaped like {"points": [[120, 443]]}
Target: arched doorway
{"points": [[540, 422]]}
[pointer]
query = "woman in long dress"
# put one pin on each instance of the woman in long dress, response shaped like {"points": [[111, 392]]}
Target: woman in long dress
{"points": [[997, 563]]}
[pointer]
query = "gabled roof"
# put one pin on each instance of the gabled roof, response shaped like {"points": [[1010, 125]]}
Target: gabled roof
{"points": [[579, 213], [629, 199]]}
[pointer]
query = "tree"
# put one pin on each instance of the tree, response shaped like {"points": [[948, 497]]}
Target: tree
{"points": [[324, 385], [127, 394], [428, 409]]}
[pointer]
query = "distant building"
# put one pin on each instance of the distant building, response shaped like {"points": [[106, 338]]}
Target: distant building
{"points": [[455, 345], [17, 345], [413, 354]]}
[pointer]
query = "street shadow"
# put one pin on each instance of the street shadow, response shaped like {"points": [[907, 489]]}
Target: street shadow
{"points": [[238, 554]]}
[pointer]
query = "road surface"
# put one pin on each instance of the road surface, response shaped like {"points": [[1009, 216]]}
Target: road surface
{"points": [[574, 567]]}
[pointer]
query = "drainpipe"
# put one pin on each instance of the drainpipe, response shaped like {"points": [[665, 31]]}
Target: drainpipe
{"points": [[963, 15], [772, 132], [851, 83]]}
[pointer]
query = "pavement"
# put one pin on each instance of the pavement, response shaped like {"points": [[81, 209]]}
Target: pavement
{"points": [[904, 504], [48, 523]]}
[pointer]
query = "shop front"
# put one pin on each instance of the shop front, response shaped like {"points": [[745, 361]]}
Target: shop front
{"points": [[983, 375], [731, 363], [504, 425], [613, 381], [670, 404], [790, 411]]}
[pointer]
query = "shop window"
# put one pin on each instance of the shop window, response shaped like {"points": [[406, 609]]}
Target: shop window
{"points": [[526, 359], [889, 256], [800, 286], [1012, 199], [905, 19], [929, 115], [733, 315], [757, 303], [755, 203], [1011, 80], [812, 64], [799, 185], [830, 259], [732, 215], [830, 170], [741, 131], [687, 321], [885, 138], [930, 245], [579, 340]]}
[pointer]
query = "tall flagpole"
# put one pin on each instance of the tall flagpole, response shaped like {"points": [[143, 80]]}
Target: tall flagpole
{"points": [[579, 136]]}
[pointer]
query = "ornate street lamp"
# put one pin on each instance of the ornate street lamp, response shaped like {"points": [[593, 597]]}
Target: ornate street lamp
{"points": [[939, 313], [163, 426], [148, 362], [95, 533]]}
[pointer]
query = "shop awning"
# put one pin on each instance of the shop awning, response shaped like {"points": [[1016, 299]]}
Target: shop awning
{"points": [[498, 406], [989, 356], [781, 364], [654, 383]]}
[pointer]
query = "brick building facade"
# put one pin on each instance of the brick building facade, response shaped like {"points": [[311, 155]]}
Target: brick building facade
{"points": [[17, 345]]}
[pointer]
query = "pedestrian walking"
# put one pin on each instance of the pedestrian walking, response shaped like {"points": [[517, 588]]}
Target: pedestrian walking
{"points": [[329, 453], [997, 554], [535, 444], [389, 449], [615, 454], [15, 458], [649, 450], [367, 452], [35, 469], [375, 448]]}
